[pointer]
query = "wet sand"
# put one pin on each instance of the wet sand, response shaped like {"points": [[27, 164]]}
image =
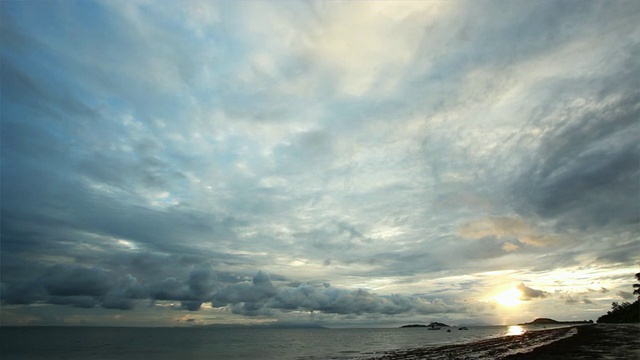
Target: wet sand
{"points": [[600, 341]]}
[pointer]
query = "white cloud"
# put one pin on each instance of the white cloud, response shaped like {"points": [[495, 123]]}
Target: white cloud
{"points": [[368, 46]]}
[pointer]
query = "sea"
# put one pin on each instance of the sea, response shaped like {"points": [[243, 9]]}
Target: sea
{"points": [[230, 343]]}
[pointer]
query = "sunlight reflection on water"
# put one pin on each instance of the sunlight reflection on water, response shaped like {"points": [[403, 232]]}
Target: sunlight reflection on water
{"points": [[515, 330]]}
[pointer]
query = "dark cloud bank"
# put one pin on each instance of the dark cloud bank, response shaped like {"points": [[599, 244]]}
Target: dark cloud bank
{"points": [[250, 296]]}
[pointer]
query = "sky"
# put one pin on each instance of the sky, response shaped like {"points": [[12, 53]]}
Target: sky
{"points": [[344, 164]]}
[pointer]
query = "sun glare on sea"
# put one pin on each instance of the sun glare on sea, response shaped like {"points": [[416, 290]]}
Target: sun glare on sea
{"points": [[509, 298], [515, 330]]}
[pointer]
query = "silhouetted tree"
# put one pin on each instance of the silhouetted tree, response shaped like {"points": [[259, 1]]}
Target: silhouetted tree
{"points": [[621, 313], [625, 312]]}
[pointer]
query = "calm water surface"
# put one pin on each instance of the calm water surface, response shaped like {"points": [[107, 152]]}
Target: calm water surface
{"points": [[231, 343]]}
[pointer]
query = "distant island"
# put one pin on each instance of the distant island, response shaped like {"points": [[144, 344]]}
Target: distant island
{"points": [[433, 324], [547, 321]]}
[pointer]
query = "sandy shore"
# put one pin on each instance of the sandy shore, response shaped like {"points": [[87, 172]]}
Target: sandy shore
{"points": [[580, 342]]}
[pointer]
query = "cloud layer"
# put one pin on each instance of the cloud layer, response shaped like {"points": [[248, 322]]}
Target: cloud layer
{"points": [[417, 156]]}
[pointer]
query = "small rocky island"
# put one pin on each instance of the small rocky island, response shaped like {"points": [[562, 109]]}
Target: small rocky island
{"points": [[547, 321], [433, 324]]}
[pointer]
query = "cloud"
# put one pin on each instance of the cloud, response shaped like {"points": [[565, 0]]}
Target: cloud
{"points": [[21, 293], [627, 295], [258, 296], [510, 247], [570, 300], [119, 303], [588, 162], [191, 305], [169, 289], [76, 301], [121, 296], [505, 228], [385, 37], [202, 281], [528, 293], [169, 153], [259, 290], [69, 280], [327, 299]]}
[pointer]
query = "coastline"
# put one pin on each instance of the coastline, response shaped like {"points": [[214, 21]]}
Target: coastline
{"points": [[602, 341]]}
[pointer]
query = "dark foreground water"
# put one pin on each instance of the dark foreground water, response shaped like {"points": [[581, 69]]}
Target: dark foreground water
{"points": [[231, 343]]}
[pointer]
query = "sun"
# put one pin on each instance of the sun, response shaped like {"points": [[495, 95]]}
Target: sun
{"points": [[510, 297]]}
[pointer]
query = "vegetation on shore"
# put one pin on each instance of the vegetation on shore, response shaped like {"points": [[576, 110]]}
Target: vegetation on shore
{"points": [[622, 313], [625, 312]]}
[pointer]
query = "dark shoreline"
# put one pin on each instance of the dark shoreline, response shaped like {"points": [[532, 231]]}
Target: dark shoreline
{"points": [[574, 342], [610, 341]]}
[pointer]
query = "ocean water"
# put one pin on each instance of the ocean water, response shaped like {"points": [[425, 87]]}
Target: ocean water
{"points": [[227, 343]]}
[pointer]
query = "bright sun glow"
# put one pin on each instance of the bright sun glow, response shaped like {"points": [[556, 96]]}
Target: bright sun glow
{"points": [[509, 298]]}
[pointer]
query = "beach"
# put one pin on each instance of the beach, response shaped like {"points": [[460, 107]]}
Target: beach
{"points": [[602, 341]]}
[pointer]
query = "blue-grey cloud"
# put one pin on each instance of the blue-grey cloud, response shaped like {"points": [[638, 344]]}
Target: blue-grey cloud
{"points": [[64, 280], [92, 287], [585, 164], [169, 154]]}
